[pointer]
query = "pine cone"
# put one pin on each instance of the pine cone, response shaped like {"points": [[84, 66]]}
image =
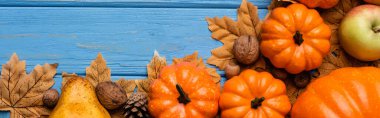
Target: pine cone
{"points": [[136, 106]]}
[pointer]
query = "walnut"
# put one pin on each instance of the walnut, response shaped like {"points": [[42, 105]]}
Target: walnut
{"points": [[50, 98], [246, 49], [231, 70], [110, 95]]}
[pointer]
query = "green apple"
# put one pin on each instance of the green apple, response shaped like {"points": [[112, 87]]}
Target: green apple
{"points": [[377, 2], [359, 32]]}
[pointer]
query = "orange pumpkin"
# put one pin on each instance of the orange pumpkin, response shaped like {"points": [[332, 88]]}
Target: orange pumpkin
{"points": [[344, 93], [325, 4], [295, 38], [183, 91], [254, 95]]}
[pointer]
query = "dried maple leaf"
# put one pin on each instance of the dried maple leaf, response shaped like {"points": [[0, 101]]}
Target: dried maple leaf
{"points": [[193, 58], [21, 93], [128, 85], [98, 71], [227, 31], [155, 66]]}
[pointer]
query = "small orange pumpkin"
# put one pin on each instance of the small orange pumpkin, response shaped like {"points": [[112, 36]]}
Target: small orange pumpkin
{"points": [[183, 91], [254, 95], [344, 93], [295, 38], [325, 4]]}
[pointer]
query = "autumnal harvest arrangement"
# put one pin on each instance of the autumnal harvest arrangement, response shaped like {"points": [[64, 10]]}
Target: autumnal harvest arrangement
{"points": [[305, 59]]}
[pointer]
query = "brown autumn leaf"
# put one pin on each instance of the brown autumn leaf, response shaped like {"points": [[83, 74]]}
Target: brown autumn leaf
{"points": [[21, 93], [193, 58], [248, 19], [155, 66], [143, 85], [98, 71], [128, 85], [227, 31]]}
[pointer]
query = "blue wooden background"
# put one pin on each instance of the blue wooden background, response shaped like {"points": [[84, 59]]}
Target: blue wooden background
{"points": [[126, 32]]}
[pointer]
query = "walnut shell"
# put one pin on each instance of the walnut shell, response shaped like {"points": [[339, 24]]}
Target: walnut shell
{"points": [[110, 95], [246, 49], [50, 98]]}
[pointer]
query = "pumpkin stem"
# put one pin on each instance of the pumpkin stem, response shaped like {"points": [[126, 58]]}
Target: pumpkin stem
{"points": [[183, 98], [255, 103], [298, 38], [376, 29]]}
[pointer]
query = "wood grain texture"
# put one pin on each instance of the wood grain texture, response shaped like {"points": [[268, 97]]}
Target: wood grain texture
{"points": [[126, 32], [225, 4], [127, 37]]}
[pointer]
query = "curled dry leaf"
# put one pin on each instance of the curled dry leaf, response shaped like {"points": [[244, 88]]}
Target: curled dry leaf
{"points": [[21, 93], [193, 58], [155, 66], [98, 71]]}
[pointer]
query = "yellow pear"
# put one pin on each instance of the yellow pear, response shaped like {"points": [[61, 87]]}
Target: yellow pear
{"points": [[78, 100]]}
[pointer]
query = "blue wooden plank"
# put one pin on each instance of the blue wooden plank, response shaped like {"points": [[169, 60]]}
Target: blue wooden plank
{"points": [[127, 37], [230, 4]]}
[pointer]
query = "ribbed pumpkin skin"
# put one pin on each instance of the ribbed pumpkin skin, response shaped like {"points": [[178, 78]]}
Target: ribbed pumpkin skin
{"points": [[344, 93], [196, 83], [279, 46], [325, 4], [239, 91]]}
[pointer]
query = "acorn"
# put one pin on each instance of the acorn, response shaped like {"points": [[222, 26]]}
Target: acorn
{"points": [[110, 95], [50, 98], [231, 70]]}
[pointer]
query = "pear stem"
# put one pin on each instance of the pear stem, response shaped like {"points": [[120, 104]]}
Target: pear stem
{"points": [[298, 38], [376, 29], [255, 103], [183, 98]]}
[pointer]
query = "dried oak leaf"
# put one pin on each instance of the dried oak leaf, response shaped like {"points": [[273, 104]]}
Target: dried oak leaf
{"points": [[21, 93], [155, 66], [193, 58], [227, 31], [128, 85], [98, 71]]}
